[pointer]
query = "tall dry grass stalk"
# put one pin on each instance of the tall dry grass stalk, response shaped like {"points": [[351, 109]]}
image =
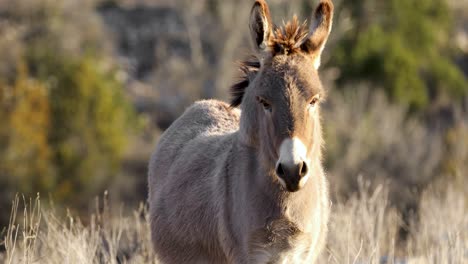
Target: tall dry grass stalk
{"points": [[21, 237], [362, 230]]}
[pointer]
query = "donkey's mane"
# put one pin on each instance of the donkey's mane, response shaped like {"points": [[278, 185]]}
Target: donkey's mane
{"points": [[286, 39], [249, 69]]}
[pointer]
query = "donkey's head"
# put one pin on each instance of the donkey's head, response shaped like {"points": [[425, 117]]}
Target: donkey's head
{"points": [[281, 91]]}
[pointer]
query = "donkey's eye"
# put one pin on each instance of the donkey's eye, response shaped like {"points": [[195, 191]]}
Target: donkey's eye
{"points": [[264, 103], [314, 100]]}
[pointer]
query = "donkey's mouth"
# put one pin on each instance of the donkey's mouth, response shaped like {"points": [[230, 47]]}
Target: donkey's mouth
{"points": [[291, 184], [292, 187]]}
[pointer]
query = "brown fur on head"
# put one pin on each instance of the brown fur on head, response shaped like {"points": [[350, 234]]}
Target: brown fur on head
{"points": [[280, 90], [289, 39]]}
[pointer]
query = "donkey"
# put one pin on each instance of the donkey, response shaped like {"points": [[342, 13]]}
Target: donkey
{"points": [[244, 183]]}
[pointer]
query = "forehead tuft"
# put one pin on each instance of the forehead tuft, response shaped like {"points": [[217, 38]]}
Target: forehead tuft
{"points": [[288, 37]]}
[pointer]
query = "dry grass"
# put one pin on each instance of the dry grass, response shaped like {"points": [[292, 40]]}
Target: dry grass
{"points": [[107, 238], [362, 230]]}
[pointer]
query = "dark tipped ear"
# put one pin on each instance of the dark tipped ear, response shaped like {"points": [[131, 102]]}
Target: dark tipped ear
{"points": [[260, 25], [319, 30]]}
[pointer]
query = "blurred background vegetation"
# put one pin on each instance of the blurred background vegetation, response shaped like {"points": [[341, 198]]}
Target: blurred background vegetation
{"points": [[87, 86]]}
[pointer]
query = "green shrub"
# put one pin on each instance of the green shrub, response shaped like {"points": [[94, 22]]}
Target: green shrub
{"points": [[403, 46], [90, 120], [65, 118]]}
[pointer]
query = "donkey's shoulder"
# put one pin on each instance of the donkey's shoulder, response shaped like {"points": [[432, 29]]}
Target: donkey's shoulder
{"points": [[214, 108], [214, 113]]}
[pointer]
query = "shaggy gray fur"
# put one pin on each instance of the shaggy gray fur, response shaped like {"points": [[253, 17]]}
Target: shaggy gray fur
{"points": [[211, 201], [214, 194]]}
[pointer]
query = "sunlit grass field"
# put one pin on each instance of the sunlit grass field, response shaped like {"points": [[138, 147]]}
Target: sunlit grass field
{"points": [[362, 230]]}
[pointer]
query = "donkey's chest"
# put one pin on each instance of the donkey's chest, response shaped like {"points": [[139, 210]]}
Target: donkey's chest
{"points": [[280, 241]]}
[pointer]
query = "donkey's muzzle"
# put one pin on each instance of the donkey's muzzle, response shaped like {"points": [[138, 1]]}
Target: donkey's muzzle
{"points": [[292, 174]]}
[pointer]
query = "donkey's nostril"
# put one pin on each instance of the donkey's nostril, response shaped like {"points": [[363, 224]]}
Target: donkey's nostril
{"points": [[279, 170], [303, 169]]}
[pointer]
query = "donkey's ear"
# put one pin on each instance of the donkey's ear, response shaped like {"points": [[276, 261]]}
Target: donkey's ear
{"points": [[260, 26], [319, 30]]}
